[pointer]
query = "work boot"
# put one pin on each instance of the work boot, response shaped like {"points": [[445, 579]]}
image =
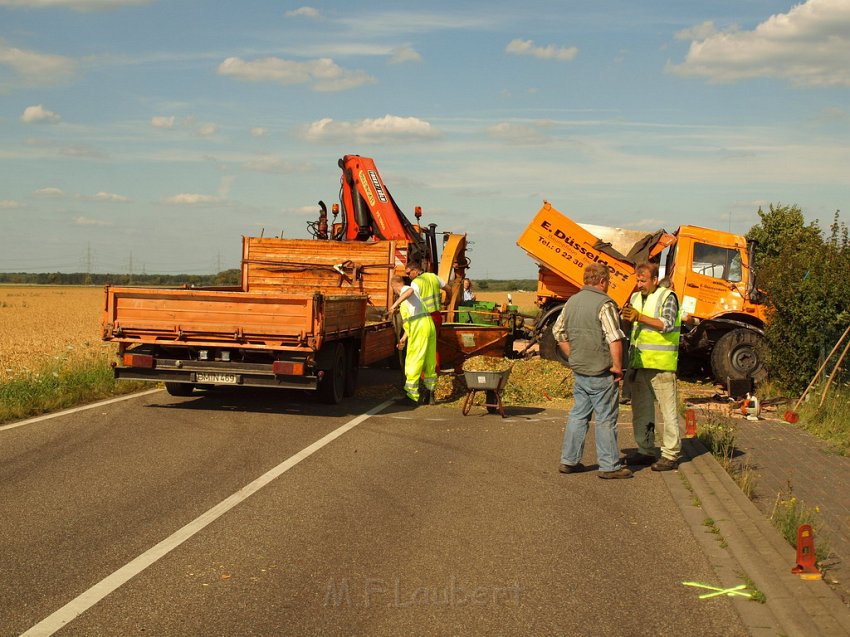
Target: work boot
{"points": [[665, 464], [571, 468], [619, 474], [424, 397]]}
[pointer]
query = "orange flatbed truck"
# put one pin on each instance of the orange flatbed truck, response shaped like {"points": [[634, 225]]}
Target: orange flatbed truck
{"points": [[710, 273], [307, 315]]}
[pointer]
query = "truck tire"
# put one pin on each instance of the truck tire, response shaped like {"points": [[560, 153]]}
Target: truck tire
{"points": [[549, 347], [352, 356], [179, 389], [331, 388], [737, 355]]}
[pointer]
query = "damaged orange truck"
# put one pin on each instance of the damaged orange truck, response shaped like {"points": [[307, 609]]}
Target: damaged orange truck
{"points": [[710, 271]]}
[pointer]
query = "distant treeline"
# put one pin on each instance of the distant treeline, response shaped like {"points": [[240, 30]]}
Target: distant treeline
{"points": [[505, 285], [226, 277]]}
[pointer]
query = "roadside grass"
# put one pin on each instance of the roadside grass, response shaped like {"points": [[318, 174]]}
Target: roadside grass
{"points": [[788, 512], [756, 595], [719, 438], [787, 516], [60, 384], [829, 422]]}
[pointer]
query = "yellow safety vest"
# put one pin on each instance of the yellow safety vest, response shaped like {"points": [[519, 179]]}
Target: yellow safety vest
{"points": [[429, 291], [652, 348]]}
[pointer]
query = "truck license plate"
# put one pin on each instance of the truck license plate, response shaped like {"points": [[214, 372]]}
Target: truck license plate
{"points": [[219, 379]]}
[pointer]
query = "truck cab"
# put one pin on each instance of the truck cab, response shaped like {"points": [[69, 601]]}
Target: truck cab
{"points": [[710, 273], [712, 276]]}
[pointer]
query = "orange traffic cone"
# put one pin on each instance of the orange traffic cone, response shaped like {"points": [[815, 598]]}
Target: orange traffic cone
{"points": [[806, 567], [690, 424]]}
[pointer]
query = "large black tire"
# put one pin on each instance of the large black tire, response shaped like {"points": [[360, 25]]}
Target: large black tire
{"points": [[549, 347], [352, 356], [179, 389], [332, 386], [738, 355]]}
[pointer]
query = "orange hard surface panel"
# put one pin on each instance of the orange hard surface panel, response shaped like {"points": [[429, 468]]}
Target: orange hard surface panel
{"points": [[307, 265], [563, 246]]}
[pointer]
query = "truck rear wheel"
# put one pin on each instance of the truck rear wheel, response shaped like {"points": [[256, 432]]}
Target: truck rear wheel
{"points": [[352, 358], [332, 386], [549, 347], [737, 355], [179, 389]]}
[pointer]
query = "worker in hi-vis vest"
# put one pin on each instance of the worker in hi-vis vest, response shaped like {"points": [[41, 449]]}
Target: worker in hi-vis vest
{"points": [[653, 312], [429, 287], [420, 339]]}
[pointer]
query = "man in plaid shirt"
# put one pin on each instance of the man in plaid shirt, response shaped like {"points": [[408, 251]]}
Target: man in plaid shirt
{"points": [[656, 327]]}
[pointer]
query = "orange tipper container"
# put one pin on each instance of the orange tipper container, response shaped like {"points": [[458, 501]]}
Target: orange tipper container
{"points": [[563, 246]]}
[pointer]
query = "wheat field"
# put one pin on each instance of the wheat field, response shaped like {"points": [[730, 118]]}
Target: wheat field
{"points": [[44, 326], [524, 300]]}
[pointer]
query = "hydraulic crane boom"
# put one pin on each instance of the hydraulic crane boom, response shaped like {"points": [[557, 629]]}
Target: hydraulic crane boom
{"points": [[368, 209]]}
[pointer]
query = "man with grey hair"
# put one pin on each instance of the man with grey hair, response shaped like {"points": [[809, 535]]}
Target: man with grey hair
{"points": [[589, 335]]}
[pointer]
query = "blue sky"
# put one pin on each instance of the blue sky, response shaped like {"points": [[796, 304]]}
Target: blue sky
{"points": [[150, 135]]}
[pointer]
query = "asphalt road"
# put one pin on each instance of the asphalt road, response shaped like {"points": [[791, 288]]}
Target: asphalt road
{"points": [[409, 522]]}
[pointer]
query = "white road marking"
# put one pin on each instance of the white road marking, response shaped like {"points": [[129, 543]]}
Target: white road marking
{"points": [[92, 596], [32, 421]]}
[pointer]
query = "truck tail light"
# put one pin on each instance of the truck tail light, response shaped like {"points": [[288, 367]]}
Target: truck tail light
{"points": [[288, 368], [139, 360]]}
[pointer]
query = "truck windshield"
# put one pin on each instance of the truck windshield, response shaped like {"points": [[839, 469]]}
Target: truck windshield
{"points": [[717, 262]]}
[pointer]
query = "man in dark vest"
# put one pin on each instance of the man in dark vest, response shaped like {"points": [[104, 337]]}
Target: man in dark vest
{"points": [[588, 333]]}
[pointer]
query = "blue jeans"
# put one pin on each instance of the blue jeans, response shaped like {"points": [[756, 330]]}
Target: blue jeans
{"points": [[599, 395]]}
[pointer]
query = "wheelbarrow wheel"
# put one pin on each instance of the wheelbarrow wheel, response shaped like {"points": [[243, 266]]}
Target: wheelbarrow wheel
{"points": [[467, 403]]}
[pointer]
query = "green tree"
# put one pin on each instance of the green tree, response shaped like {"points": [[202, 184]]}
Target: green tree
{"points": [[805, 277]]}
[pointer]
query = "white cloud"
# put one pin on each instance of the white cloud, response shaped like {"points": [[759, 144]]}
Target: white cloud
{"points": [[39, 115], [393, 23], [270, 164], [549, 52], [404, 54], [81, 150], [108, 197], [259, 132], [49, 192], [36, 68], [77, 5], [808, 46], [698, 32], [88, 221], [322, 74], [383, 129], [161, 121], [192, 199], [207, 130], [535, 133], [11, 204], [304, 12]]}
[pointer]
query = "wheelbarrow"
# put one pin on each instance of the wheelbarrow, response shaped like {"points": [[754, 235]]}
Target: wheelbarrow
{"points": [[492, 383]]}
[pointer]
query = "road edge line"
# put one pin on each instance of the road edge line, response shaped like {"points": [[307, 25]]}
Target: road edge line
{"points": [[85, 600], [74, 410]]}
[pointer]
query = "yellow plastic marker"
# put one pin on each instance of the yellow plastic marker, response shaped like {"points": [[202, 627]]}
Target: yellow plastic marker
{"points": [[741, 590]]}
